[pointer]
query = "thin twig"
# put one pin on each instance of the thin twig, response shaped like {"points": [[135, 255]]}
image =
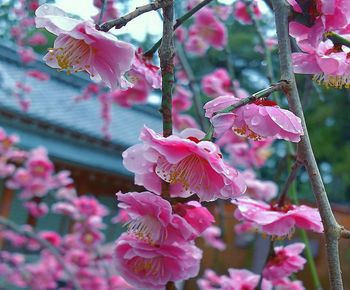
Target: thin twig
{"points": [[102, 11], [345, 234], [331, 228], [123, 20], [292, 175], [267, 52], [271, 253], [45, 244], [178, 23], [337, 39], [258, 95], [197, 99], [166, 56]]}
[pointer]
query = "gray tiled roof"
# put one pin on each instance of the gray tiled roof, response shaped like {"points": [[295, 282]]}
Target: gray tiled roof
{"points": [[52, 103]]}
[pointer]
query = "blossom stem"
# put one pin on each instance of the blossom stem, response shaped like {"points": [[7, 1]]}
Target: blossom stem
{"points": [[170, 286], [256, 24], [166, 56], [45, 244], [305, 239], [258, 95], [331, 227], [270, 253], [123, 20], [102, 11], [177, 24], [345, 234], [197, 100], [292, 175], [336, 39]]}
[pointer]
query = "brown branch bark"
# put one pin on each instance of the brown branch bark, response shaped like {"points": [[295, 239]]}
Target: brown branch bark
{"points": [[45, 244], [123, 20], [331, 228]]}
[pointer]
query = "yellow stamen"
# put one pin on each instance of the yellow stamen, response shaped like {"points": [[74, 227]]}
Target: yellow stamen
{"points": [[74, 56], [329, 81]]}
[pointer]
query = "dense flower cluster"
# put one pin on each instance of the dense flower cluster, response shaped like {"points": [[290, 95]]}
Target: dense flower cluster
{"points": [[325, 57]]}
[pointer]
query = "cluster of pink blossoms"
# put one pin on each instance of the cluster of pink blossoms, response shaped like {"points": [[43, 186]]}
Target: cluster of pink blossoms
{"points": [[159, 246], [327, 59], [35, 179], [24, 35], [274, 220], [190, 165], [241, 279], [260, 119]]}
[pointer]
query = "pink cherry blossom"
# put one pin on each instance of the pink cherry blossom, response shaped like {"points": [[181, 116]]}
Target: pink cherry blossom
{"points": [[196, 215], [39, 164], [258, 189], [142, 66], [181, 99], [137, 94], [38, 75], [251, 154], [183, 121], [212, 237], [196, 45], [52, 237], [196, 165], [37, 39], [330, 66], [147, 266], [284, 262], [180, 34], [257, 120], [121, 218], [209, 28], [80, 47], [286, 284], [152, 220], [276, 221], [241, 11], [238, 279], [36, 209], [88, 206], [217, 83], [210, 281], [27, 55]]}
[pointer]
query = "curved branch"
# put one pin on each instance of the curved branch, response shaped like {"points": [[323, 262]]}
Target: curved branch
{"points": [[123, 20], [331, 227], [178, 23], [45, 244]]}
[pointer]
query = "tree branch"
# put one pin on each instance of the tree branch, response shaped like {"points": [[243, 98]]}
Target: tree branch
{"points": [[331, 227], [197, 99], [269, 67], [45, 244], [345, 234], [258, 95], [123, 20], [293, 174], [337, 39], [178, 23]]}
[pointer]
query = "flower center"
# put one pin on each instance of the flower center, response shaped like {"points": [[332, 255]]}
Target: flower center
{"points": [[246, 132], [146, 228], [147, 266], [278, 259], [265, 103], [74, 55], [332, 81], [189, 172], [285, 208]]}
